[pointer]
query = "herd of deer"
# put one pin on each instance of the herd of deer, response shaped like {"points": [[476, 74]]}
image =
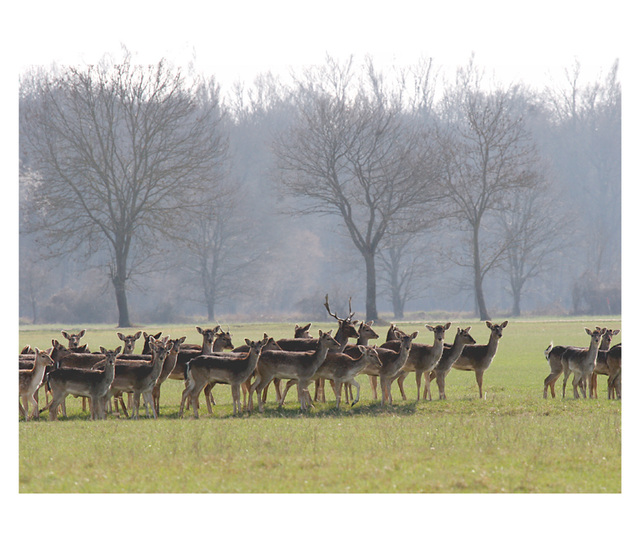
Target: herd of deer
{"points": [[106, 375]]}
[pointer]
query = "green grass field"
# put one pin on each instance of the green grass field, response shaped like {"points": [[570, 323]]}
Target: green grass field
{"points": [[511, 441]]}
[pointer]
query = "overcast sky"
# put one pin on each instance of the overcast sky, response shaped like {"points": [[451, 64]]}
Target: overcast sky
{"points": [[236, 39]]}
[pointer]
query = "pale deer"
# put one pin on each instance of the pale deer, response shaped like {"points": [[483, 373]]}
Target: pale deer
{"points": [[450, 354], [291, 365], [205, 369], [140, 377], [581, 363], [422, 358], [94, 385], [392, 364], [129, 342], [341, 369], [601, 366], [29, 382], [479, 357], [301, 332]]}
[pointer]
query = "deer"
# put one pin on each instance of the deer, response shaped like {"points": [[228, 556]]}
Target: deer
{"points": [[29, 381], [393, 333], [140, 377], [553, 354], [601, 366], [341, 369], [365, 334], [92, 384], [291, 365], [392, 364], [167, 368], [422, 358], [129, 342], [581, 363], [73, 338], [479, 357], [301, 332], [208, 337], [450, 354], [614, 363], [205, 369]]}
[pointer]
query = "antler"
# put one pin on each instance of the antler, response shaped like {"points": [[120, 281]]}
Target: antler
{"points": [[326, 305], [351, 314]]}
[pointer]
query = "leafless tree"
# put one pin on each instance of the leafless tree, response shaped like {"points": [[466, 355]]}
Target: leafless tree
{"points": [[487, 153], [355, 152], [122, 151]]}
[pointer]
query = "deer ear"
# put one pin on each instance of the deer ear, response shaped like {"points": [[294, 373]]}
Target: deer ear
{"points": [[65, 334], [587, 330], [447, 325], [247, 341], [120, 336], [117, 350], [82, 333], [103, 350], [199, 330], [414, 335], [430, 328], [137, 335], [504, 324], [488, 324], [615, 332]]}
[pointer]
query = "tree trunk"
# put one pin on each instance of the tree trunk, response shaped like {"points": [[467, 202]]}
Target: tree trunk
{"points": [[515, 309], [477, 281], [121, 301], [370, 265], [210, 310]]}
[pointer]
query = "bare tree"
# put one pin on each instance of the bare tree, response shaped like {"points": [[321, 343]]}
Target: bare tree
{"points": [[122, 151], [487, 153], [355, 152]]}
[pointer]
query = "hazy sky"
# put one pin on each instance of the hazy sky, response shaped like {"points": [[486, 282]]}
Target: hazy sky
{"points": [[237, 39]]}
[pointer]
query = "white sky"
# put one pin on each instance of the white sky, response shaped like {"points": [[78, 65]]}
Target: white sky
{"points": [[237, 39]]}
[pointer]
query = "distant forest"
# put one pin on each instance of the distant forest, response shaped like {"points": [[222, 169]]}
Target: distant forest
{"points": [[150, 194]]}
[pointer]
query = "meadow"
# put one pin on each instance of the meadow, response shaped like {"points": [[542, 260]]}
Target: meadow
{"points": [[511, 441]]}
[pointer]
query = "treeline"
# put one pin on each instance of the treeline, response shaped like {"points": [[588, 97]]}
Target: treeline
{"points": [[148, 195]]}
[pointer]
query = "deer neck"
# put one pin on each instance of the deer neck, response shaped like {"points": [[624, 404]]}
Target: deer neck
{"points": [[170, 362], [592, 353], [156, 368], [38, 370], [492, 345], [605, 343], [109, 372], [320, 353], [456, 348]]}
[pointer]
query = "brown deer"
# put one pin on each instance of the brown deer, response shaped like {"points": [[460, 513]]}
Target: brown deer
{"points": [[301, 332], [208, 337], [601, 366], [93, 385], [450, 354], [205, 369], [392, 364], [341, 369], [422, 358], [139, 377], [365, 334], [553, 354], [581, 363], [291, 365], [167, 368], [393, 333], [479, 357], [29, 381], [129, 342], [614, 363], [73, 338]]}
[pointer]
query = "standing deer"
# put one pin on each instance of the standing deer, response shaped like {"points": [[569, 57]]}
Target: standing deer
{"points": [[422, 358], [450, 354], [92, 384], [614, 363], [291, 365], [479, 357], [601, 366], [29, 381], [73, 338], [129, 342], [301, 332], [581, 363], [205, 369]]}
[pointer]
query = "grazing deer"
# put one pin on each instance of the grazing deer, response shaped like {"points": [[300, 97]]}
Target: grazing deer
{"points": [[291, 365], [29, 382], [129, 342], [450, 354], [205, 369], [581, 363], [94, 385], [601, 366], [301, 332], [614, 363], [422, 358], [479, 357], [140, 377]]}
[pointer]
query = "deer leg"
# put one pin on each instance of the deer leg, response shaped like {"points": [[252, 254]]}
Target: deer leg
{"points": [[401, 378], [373, 380], [479, 375], [593, 386], [352, 382], [207, 397], [287, 387], [440, 382]]}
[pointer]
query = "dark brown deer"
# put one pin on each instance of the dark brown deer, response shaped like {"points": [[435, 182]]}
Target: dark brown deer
{"points": [[301, 332]]}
